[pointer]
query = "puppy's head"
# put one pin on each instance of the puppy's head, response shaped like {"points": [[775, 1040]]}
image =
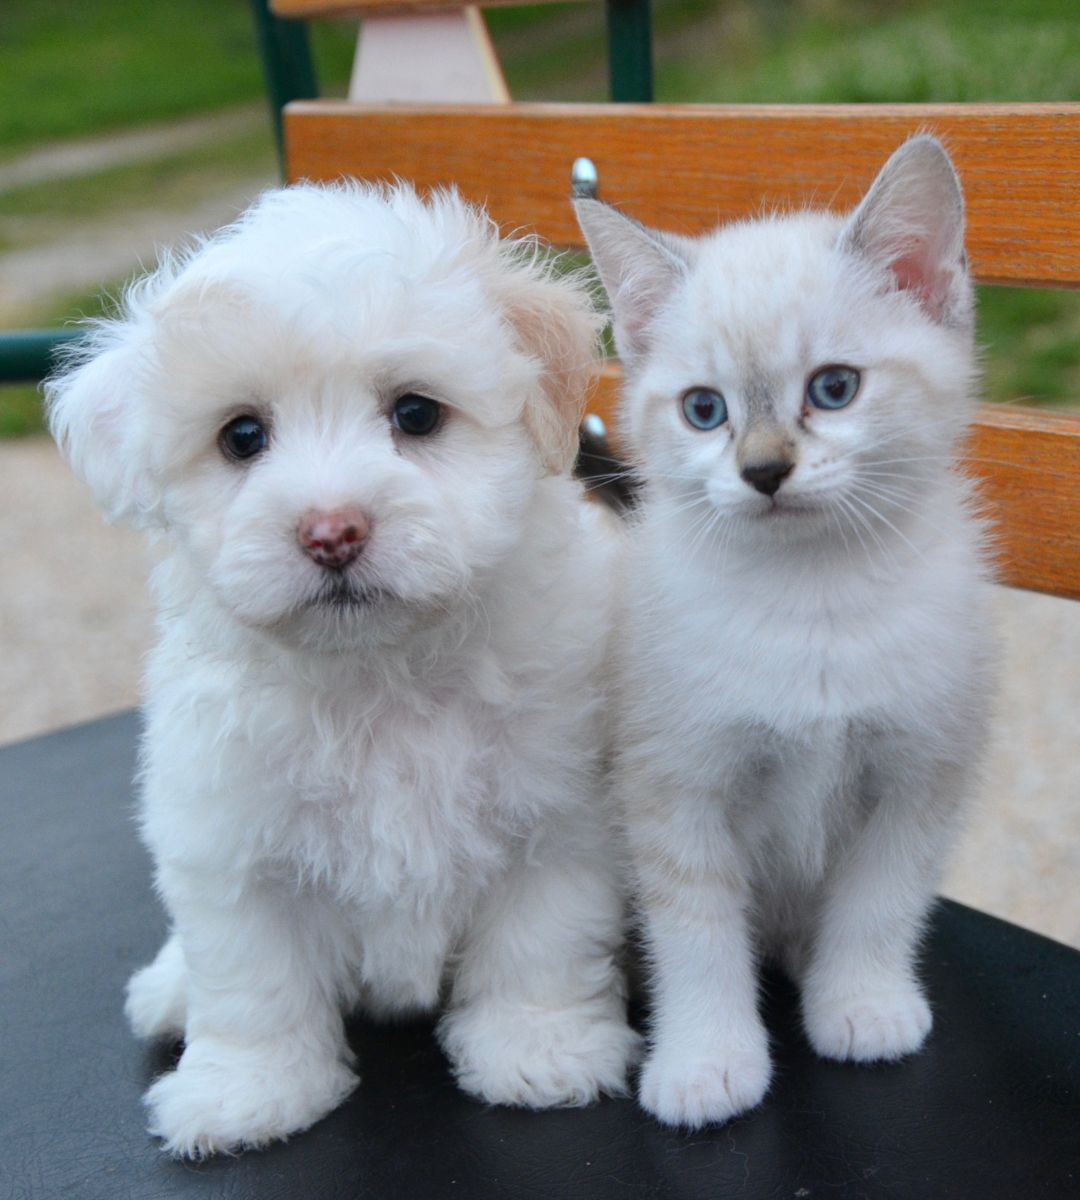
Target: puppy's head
{"points": [[337, 407]]}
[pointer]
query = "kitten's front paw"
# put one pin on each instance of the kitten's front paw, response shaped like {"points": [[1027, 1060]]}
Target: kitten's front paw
{"points": [[691, 1089], [540, 1058], [223, 1098], [870, 1027]]}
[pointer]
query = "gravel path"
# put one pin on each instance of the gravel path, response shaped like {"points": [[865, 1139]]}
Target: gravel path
{"points": [[75, 622], [96, 252], [60, 161]]}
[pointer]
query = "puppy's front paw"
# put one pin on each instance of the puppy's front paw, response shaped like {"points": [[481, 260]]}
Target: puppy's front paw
{"points": [[156, 1002], [223, 1098], [540, 1058], [691, 1089], [869, 1027]]}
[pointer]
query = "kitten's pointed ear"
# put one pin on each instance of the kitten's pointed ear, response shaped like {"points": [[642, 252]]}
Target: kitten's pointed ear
{"points": [[638, 267], [911, 223]]}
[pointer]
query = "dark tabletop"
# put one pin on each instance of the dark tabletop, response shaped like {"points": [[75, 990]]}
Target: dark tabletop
{"points": [[989, 1109]]}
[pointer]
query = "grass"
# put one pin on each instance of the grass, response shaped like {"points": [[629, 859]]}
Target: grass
{"points": [[20, 411], [118, 63], [71, 70], [808, 51], [1031, 341], [33, 215], [850, 51]]}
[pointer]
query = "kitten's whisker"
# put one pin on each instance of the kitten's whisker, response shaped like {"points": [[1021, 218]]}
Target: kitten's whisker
{"points": [[960, 457], [911, 483], [726, 542], [948, 421], [851, 515], [726, 538], [865, 523], [611, 458], [834, 516], [701, 529], [1016, 466], [893, 496], [620, 474], [890, 498], [964, 459], [879, 480], [915, 458], [676, 475], [714, 519], [687, 505], [885, 520], [595, 482]]}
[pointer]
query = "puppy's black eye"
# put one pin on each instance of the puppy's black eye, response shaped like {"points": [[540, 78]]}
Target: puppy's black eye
{"points": [[243, 438], [416, 415]]}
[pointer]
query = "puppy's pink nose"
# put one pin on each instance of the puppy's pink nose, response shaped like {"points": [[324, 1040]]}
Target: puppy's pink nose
{"points": [[333, 539]]}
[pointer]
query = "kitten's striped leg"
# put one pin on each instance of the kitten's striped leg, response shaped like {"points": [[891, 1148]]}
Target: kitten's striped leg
{"points": [[861, 998], [709, 1055]]}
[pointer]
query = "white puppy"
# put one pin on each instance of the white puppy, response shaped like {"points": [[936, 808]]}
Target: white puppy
{"points": [[370, 761]]}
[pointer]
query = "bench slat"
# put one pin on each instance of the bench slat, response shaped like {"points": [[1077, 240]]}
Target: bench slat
{"points": [[688, 167], [1028, 466]]}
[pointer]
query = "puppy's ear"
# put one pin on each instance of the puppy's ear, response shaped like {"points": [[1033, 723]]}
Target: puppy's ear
{"points": [[555, 323], [95, 415]]}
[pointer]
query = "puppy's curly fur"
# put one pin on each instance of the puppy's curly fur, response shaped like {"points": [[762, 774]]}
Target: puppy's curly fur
{"points": [[372, 782]]}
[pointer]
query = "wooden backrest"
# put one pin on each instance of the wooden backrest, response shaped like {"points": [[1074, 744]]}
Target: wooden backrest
{"points": [[688, 167]]}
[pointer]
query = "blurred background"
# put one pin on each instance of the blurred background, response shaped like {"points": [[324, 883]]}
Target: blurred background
{"points": [[128, 125]]}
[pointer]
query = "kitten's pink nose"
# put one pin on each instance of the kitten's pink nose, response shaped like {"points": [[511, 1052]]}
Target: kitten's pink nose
{"points": [[333, 539]]}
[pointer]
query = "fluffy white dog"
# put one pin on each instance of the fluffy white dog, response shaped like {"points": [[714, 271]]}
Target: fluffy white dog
{"points": [[370, 761]]}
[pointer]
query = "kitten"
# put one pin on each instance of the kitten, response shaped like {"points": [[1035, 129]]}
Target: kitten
{"points": [[803, 659]]}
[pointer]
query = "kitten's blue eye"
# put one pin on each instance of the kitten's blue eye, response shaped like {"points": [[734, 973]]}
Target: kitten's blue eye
{"points": [[704, 408], [416, 415], [834, 387], [243, 438]]}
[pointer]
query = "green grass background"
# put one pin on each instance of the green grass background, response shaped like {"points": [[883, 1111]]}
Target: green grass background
{"points": [[71, 71]]}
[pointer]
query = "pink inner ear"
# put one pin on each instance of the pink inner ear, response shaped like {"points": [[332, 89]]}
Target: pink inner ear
{"points": [[914, 272]]}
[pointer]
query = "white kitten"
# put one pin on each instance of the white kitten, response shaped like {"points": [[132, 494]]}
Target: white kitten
{"points": [[370, 755], [802, 660]]}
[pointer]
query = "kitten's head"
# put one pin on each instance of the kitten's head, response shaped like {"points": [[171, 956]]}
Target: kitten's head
{"points": [[803, 372]]}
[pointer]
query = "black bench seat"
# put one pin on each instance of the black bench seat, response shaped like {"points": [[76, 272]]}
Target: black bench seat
{"points": [[991, 1107]]}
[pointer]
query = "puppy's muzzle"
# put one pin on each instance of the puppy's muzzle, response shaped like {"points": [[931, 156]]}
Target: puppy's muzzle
{"points": [[333, 539]]}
